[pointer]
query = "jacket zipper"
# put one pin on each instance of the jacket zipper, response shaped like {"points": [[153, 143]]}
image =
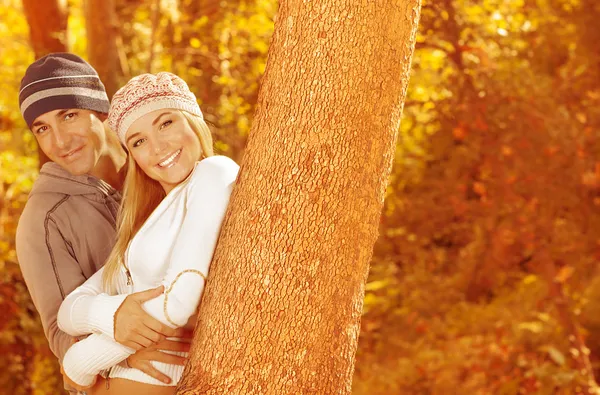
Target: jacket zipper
{"points": [[108, 378], [128, 274]]}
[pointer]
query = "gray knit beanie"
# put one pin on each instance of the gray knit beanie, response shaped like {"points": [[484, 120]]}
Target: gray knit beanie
{"points": [[60, 81]]}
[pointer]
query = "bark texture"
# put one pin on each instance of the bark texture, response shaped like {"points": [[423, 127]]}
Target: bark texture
{"points": [[47, 22], [281, 311], [101, 29]]}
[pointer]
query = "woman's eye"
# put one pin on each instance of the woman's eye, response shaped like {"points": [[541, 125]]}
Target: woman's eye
{"points": [[137, 143], [165, 124]]}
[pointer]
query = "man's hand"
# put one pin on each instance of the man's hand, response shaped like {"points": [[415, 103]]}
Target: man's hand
{"points": [[137, 329], [141, 359]]}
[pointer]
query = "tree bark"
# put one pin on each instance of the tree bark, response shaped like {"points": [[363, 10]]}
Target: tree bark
{"points": [[47, 22], [282, 307], [101, 28]]}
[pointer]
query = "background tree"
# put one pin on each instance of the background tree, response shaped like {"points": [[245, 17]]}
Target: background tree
{"points": [[102, 31], [48, 33], [47, 26]]}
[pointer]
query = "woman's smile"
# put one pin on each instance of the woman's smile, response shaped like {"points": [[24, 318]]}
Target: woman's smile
{"points": [[170, 160]]}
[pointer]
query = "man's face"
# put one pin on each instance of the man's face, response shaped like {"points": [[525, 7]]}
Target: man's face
{"points": [[73, 138]]}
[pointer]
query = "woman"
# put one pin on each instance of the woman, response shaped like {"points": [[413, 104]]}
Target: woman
{"points": [[174, 200]]}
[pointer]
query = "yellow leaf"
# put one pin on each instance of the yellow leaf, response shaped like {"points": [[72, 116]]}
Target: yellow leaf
{"points": [[195, 43]]}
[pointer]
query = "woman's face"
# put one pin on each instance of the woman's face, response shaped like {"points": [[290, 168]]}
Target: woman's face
{"points": [[164, 146]]}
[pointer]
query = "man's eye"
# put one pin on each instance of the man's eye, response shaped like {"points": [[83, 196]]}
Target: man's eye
{"points": [[165, 124], [137, 143], [70, 116], [41, 129]]}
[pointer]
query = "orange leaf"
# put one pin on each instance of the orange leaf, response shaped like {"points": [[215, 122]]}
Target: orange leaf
{"points": [[459, 133], [551, 150], [479, 188], [481, 124], [564, 274]]}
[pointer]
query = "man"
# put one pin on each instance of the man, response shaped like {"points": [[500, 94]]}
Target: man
{"points": [[67, 228]]}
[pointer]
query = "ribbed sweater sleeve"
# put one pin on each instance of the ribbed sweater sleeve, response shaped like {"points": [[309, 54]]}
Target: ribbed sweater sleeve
{"points": [[88, 357], [89, 310]]}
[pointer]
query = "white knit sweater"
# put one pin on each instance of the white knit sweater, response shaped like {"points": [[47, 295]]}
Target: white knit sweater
{"points": [[174, 248]]}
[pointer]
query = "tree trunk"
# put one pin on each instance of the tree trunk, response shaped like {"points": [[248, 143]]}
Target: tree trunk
{"points": [[282, 307], [47, 22], [47, 26], [101, 28]]}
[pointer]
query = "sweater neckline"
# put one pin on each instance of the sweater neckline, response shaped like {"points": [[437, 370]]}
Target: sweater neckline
{"points": [[167, 199]]}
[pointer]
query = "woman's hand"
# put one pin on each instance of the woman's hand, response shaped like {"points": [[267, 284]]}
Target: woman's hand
{"points": [[142, 358], [134, 327]]}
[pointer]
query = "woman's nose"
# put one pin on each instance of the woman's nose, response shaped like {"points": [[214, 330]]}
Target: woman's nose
{"points": [[159, 145]]}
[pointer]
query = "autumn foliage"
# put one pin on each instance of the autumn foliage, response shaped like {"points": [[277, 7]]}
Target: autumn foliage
{"points": [[485, 277]]}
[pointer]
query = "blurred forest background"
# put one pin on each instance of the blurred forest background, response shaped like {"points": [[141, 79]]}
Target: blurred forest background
{"points": [[484, 279]]}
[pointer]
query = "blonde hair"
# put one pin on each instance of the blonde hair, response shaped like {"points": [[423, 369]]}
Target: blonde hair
{"points": [[141, 195]]}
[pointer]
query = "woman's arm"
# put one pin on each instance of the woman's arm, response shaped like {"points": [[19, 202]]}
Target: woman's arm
{"points": [[207, 201], [88, 357], [89, 310]]}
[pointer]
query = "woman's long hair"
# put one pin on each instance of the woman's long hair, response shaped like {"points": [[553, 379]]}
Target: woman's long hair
{"points": [[141, 195]]}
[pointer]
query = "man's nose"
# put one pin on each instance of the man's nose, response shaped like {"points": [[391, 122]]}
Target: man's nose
{"points": [[62, 138]]}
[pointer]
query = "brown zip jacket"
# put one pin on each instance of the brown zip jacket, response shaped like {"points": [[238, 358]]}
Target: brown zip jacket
{"points": [[64, 235]]}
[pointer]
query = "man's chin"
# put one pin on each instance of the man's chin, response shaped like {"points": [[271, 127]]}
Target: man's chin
{"points": [[76, 169]]}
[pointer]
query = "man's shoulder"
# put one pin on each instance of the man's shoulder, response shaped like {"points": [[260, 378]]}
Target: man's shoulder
{"points": [[41, 205], [39, 208]]}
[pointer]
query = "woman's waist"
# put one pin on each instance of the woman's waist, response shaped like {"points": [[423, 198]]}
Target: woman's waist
{"points": [[121, 385]]}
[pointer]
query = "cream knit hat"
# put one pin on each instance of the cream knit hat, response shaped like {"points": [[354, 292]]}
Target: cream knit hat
{"points": [[146, 93]]}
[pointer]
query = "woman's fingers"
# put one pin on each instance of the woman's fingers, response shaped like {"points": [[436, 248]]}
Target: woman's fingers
{"points": [[172, 345], [142, 340], [138, 343], [159, 356], [150, 370], [160, 328]]}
